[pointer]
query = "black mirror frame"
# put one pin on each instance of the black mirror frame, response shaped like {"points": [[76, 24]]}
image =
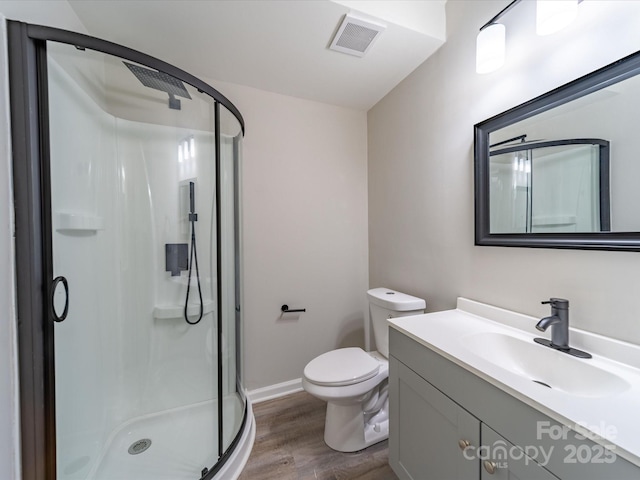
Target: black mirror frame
{"points": [[624, 241]]}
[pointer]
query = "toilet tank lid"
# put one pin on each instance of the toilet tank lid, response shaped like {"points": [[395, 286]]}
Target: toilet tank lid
{"points": [[395, 301]]}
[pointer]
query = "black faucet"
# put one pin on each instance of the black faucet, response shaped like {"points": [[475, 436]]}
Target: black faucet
{"points": [[559, 323]]}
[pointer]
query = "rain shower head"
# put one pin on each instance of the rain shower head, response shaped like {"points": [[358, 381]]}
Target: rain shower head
{"points": [[160, 81]]}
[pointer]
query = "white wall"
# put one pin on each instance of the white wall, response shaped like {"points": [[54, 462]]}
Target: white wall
{"points": [[421, 171], [305, 230], [54, 13]]}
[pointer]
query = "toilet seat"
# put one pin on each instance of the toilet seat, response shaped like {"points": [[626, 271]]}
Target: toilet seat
{"points": [[345, 366]]}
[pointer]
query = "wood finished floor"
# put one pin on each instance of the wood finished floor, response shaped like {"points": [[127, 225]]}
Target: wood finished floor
{"points": [[289, 446]]}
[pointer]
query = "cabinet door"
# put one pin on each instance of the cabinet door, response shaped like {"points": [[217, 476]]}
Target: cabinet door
{"points": [[426, 428], [501, 460]]}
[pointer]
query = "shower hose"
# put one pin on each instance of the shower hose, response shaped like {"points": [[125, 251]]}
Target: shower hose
{"points": [[193, 217]]}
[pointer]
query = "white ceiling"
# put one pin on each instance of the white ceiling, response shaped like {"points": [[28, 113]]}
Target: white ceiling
{"points": [[278, 46]]}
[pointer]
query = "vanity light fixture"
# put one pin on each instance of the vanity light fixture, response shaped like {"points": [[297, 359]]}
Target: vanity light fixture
{"points": [[551, 16], [490, 43], [490, 48]]}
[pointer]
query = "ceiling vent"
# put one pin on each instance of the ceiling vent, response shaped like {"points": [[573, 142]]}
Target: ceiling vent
{"points": [[355, 36]]}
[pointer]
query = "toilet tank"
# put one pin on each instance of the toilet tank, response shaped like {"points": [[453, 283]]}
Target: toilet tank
{"points": [[385, 303]]}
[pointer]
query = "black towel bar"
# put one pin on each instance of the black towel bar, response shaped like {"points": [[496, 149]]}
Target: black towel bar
{"points": [[285, 309]]}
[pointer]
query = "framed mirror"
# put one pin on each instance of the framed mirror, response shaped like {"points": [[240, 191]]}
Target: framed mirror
{"points": [[563, 170]]}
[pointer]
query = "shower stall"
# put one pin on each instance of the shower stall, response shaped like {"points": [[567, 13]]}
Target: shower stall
{"points": [[553, 186], [127, 195]]}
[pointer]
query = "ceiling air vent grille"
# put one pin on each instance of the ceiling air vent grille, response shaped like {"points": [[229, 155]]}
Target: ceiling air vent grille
{"points": [[355, 36]]}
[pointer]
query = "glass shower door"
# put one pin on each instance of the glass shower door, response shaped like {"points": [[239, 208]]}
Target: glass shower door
{"points": [[133, 182], [231, 315]]}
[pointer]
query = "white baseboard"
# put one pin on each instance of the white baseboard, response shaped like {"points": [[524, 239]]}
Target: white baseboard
{"points": [[275, 391]]}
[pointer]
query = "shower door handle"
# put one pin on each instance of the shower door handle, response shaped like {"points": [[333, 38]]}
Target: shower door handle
{"points": [[54, 286]]}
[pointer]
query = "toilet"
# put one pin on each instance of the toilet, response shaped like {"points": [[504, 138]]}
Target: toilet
{"points": [[354, 383]]}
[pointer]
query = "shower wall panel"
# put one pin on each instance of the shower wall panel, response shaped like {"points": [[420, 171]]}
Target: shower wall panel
{"points": [[172, 364]]}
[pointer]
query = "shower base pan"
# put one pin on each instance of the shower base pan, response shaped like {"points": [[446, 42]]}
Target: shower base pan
{"points": [[173, 445]]}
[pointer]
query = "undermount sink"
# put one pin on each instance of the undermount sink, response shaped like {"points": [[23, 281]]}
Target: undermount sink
{"points": [[547, 367]]}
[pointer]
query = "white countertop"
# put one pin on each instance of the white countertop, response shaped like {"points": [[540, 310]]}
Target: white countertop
{"points": [[611, 420]]}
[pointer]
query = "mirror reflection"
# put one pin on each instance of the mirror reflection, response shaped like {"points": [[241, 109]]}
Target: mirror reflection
{"points": [[549, 187], [572, 168]]}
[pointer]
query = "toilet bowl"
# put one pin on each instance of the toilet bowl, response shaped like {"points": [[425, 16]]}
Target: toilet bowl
{"points": [[354, 383], [361, 380]]}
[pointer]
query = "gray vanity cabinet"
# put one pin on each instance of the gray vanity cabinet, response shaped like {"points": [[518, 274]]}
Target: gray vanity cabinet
{"points": [[437, 406], [422, 410]]}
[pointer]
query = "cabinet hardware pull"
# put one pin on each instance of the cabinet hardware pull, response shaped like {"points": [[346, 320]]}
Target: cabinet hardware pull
{"points": [[463, 444], [489, 466]]}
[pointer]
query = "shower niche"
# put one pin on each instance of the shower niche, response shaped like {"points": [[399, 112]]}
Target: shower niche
{"points": [[136, 164]]}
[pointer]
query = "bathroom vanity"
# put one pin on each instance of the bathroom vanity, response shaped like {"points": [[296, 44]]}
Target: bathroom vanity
{"points": [[472, 396]]}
